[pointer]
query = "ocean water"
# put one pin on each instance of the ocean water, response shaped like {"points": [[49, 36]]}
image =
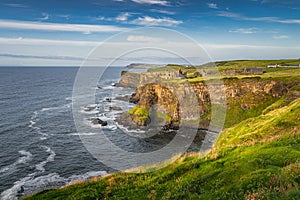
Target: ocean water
{"points": [[39, 145]]}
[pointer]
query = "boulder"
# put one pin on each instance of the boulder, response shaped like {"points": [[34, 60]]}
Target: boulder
{"points": [[116, 108], [96, 121]]}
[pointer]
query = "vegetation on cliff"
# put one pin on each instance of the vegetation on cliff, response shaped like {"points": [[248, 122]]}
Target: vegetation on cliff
{"points": [[258, 158], [247, 94], [140, 115]]}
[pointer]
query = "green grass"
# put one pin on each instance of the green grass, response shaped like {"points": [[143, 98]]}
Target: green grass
{"points": [[141, 112], [259, 158], [241, 64]]}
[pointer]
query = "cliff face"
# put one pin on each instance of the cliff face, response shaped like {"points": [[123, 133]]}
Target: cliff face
{"points": [[177, 104], [161, 99], [129, 79]]}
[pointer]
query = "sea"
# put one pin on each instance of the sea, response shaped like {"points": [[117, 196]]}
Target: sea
{"points": [[40, 147]]}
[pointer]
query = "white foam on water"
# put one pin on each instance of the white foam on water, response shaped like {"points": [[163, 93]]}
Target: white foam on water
{"points": [[50, 158], [68, 98], [123, 128], [31, 184], [32, 122], [110, 127], [89, 112], [26, 156], [110, 87], [83, 134], [68, 105], [107, 117]]}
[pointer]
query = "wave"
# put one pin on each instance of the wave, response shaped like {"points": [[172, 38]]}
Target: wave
{"points": [[83, 134], [89, 112], [50, 158], [123, 128], [32, 122], [26, 156], [31, 184], [68, 105], [68, 98], [30, 181]]}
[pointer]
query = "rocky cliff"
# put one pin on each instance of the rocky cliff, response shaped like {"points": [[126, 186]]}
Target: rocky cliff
{"points": [[244, 97], [129, 79]]}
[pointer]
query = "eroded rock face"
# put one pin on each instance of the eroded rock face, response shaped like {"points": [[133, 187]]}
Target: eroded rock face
{"points": [[129, 79], [152, 94], [174, 100]]}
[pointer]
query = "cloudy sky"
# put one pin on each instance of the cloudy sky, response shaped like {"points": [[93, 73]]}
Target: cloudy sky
{"points": [[64, 32]]}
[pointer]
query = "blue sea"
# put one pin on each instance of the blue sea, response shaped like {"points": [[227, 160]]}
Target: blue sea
{"points": [[39, 144]]}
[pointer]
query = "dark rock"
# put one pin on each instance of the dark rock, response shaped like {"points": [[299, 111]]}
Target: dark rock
{"points": [[170, 127], [117, 108], [108, 99], [134, 98], [123, 98], [96, 121]]}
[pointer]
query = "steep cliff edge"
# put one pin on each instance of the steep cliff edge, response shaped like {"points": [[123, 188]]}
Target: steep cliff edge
{"points": [[129, 79], [245, 98]]}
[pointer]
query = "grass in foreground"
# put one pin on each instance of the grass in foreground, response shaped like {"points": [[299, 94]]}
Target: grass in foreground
{"points": [[258, 158]]}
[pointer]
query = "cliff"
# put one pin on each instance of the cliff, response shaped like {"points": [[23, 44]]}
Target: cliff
{"points": [[245, 98], [129, 79]]}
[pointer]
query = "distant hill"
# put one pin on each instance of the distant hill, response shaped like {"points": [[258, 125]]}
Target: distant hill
{"points": [[143, 66]]}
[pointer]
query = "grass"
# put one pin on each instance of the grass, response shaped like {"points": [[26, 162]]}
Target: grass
{"points": [[141, 112], [259, 158], [241, 64]]}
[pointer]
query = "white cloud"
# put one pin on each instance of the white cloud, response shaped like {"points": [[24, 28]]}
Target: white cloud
{"points": [[45, 16], [41, 26], [142, 38], [123, 17], [25, 56], [63, 16], [244, 30], [289, 21], [150, 21], [15, 5], [279, 37], [152, 2], [35, 41], [212, 5], [163, 11], [263, 19], [101, 18]]}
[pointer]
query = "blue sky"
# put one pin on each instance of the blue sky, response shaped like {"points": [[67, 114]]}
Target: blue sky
{"points": [[64, 32]]}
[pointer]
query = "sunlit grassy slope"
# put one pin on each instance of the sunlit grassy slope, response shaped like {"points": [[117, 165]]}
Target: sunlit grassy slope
{"points": [[259, 158]]}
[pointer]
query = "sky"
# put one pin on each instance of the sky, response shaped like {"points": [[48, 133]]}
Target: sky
{"points": [[65, 32]]}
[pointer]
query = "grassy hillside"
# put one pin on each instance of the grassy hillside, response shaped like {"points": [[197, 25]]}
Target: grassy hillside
{"points": [[241, 64], [258, 158]]}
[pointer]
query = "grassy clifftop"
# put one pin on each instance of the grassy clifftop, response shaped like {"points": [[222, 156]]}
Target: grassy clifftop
{"points": [[258, 158]]}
